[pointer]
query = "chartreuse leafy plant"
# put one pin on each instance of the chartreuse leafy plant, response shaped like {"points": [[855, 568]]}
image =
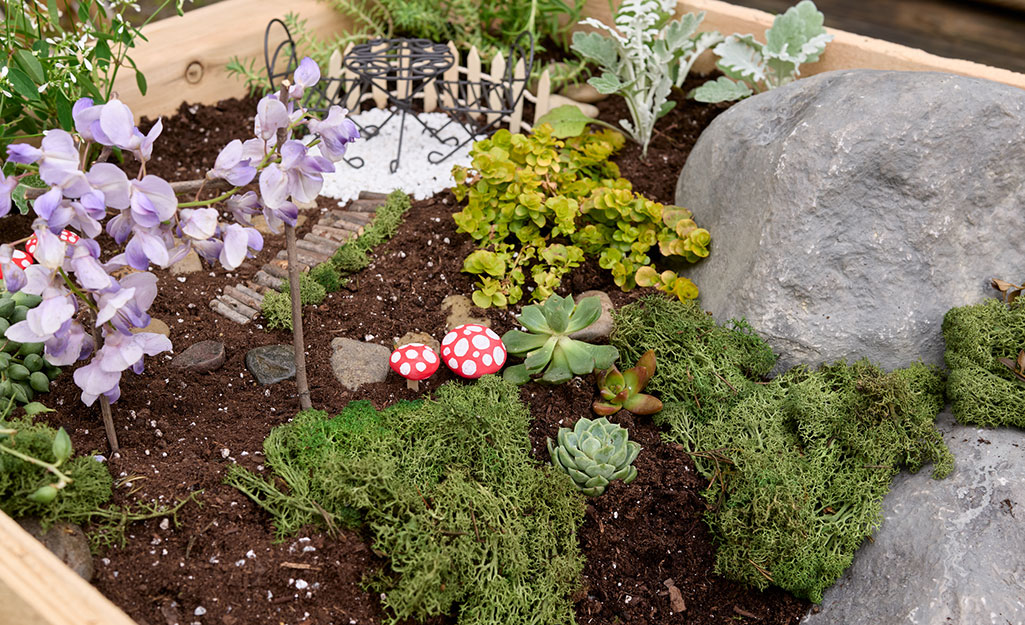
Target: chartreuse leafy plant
{"points": [[796, 37], [623, 390], [471, 527], [538, 206], [548, 349], [642, 58], [984, 343], [594, 453], [797, 465]]}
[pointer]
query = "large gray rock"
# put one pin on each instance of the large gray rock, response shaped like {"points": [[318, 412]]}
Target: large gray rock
{"points": [[948, 551], [850, 210], [65, 540], [356, 363]]}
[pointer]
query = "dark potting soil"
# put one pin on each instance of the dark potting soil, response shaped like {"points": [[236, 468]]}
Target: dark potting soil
{"points": [[222, 563]]}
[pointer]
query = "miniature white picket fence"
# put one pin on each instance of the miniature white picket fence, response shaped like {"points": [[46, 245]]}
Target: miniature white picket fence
{"points": [[473, 73]]}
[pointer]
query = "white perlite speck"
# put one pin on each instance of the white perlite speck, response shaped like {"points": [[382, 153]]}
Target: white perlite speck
{"points": [[416, 175]]}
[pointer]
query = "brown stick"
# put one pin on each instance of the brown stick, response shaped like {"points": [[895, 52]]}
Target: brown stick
{"points": [[297, 321], [182, 187], [108, 418]]}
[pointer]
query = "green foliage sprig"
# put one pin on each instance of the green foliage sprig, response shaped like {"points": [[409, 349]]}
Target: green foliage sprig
{"points": [[796, 36], [52, 58], [471, 526], [642, 58], [538, 206], [595, 453], [548, 349]]}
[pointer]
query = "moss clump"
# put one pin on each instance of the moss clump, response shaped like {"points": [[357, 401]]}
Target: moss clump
{"points": [[276, 307], [981, 390], [799, 468], [90, 487], [446, 489], [327, 276], [353, 256], [701, 365], [799, 465]]}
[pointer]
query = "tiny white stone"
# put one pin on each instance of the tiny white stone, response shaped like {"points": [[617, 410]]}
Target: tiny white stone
{"points": [[301, 584], [200, 611]]}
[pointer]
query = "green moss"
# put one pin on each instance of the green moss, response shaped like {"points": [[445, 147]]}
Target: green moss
{"points": [[276, 308], [703, 366], [798, 465], [90, 488], [354, 255], [471, 525], [327, 276], [981, 390]]}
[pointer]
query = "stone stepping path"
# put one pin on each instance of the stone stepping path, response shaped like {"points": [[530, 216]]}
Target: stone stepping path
{"points": [[241, 303]]}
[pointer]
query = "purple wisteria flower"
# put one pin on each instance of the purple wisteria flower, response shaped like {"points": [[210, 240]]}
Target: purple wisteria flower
{"points": [[144, 217]]}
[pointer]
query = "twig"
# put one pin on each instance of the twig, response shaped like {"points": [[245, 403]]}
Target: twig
{"points": [[108, 419], [726, 381], [299, 565], [475, 530]]}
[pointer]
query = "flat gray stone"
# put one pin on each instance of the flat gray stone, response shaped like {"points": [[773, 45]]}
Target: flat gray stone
{"points": [[460, 310], [850, 210], [948, 551], [67, 541], [356, 363], [190, 264], [600, 329], [271, 364], [201, 357]]}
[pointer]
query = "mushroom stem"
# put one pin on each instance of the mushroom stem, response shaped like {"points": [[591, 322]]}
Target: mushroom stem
{"points": [[413, 385]]}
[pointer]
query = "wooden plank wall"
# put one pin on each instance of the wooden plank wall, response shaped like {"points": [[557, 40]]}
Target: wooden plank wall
{"points": [[37, 589], [184, 58], [846, 51]]}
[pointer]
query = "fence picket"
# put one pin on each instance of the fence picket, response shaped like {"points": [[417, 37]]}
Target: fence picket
{"points": [[451, 76], [544, 95], [495, 87], [352, 94], [380, 95], [473, 95]]}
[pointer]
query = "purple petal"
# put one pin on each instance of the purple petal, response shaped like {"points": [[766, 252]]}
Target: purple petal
{"points": [[236, 245], [68, 349], [271, 115], [153, 201], [47, 202], [113, 182], [95, 382], [199, 224], [118, 123], [46, 318], [23, 153], [145, 285], [120, 227], [88, 271], [50, 250], [111, 303], [274, 188], [308, 72]]}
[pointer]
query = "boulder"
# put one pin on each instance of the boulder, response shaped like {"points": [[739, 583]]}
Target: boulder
{"points": [[65, 540], [850, 210], [599, 331], [356, 363], [201, 357], [948, 551]]}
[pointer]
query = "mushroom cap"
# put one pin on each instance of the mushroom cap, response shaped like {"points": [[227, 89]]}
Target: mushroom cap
{"points": [[414, 361], [21, 259], [66, 235], [472, 350]]}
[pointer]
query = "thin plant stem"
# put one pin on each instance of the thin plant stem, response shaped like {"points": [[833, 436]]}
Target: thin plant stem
{"points": [[298, 344], [108, 418]]}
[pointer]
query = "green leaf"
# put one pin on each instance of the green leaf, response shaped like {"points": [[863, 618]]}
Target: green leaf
{"points": [[579, 357], [607, 83], [595, 47], [64, 116], [61, 446], [516, 374], [793, 29], [566, 121], [53, 13], [604, 356], [480, 299], [30, 65], [140, 80], [539, 358], [740, 58], [587, 312], [23, 84], [517, 342], [721, 90], [533, 319], [34, 408], [43, 495]]}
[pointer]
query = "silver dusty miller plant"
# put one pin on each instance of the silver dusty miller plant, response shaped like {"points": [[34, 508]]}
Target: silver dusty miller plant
{"points": [[642, 58], [796, 37]]}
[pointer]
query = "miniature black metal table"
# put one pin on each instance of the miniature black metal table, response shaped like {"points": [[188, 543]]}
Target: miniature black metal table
{"points": [[402, 69]]}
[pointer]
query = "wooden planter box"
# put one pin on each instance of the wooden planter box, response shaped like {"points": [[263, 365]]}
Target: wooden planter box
{"points": [[184, 61]]}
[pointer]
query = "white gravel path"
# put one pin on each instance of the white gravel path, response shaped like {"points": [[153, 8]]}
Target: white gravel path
{"points": [[416, 175]]}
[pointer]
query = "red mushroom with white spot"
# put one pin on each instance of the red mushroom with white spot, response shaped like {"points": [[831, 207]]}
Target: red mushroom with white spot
{"points": [[415, 362], [67, 236], [472, 350], [21, 259]]}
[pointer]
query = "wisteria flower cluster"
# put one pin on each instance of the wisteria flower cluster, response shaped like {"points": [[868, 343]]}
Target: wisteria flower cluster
{"points": [[148, 222]]}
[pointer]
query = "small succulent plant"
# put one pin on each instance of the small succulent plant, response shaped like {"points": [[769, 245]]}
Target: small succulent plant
{"points": [[547, 346], [623, 390], [594, 453]]}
